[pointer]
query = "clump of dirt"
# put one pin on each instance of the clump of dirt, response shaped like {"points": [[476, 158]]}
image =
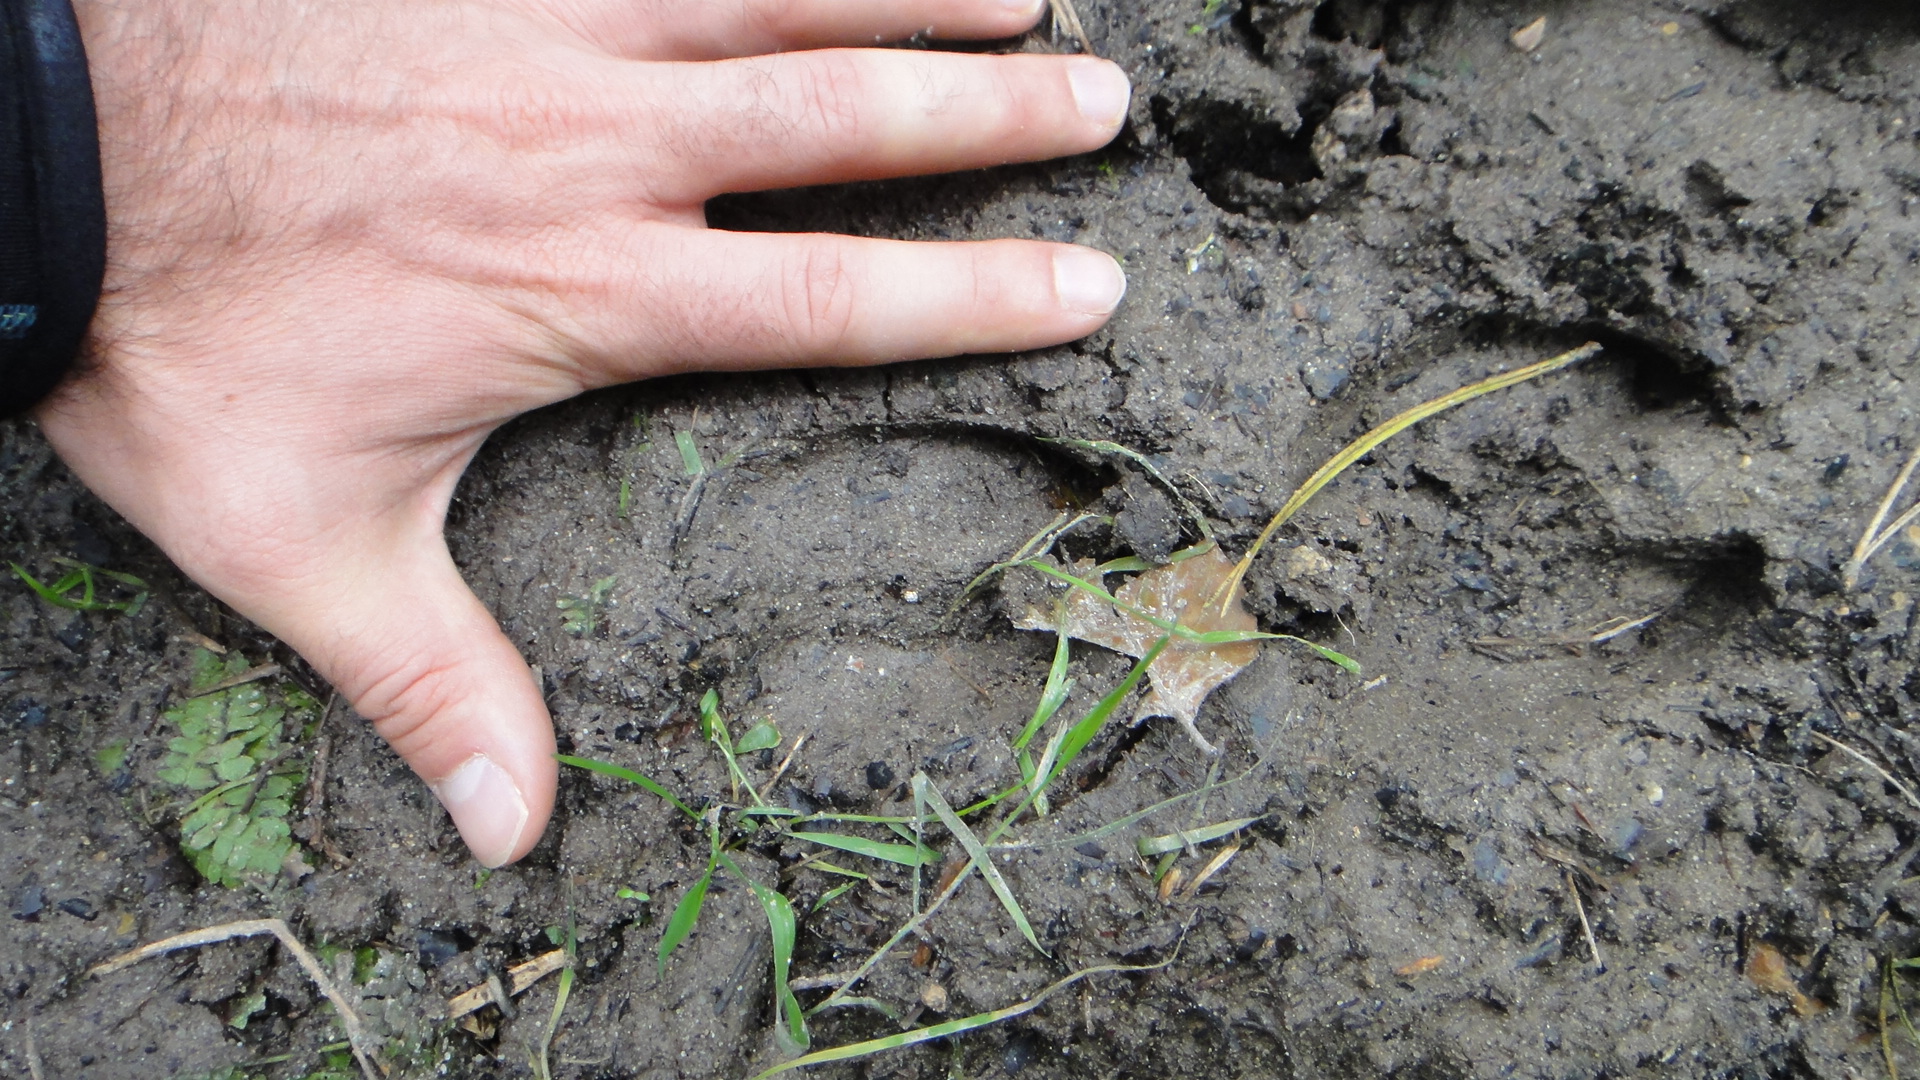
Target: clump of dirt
{"points": [[1329, 211]]}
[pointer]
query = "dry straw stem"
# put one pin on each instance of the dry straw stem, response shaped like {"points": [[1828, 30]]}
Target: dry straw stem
{"points": [[1874, 537], [356, 1035], [1067, 20], [1580, 908], [1863, 759], [523, 976], [1365, 445], [956, 1027]]}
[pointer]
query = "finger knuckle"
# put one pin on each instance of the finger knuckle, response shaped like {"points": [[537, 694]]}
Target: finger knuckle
{"points": [[402, 703], [820, 297], [830, 92]]}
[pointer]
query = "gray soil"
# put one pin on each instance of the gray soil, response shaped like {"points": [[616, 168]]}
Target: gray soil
{"points": [[1329, 212]]}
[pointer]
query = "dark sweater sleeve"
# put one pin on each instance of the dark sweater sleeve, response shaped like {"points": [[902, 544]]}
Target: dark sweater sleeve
{"points": [[52, 219]]}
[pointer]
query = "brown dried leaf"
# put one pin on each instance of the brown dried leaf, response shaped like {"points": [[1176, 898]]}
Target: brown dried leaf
{"points": [[1767, 969], [1185, 671]]}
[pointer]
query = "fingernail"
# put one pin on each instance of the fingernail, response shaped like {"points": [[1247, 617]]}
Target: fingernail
{"points": [[1029, 9], [1101, 91], [486, 807], [1087, 281]]}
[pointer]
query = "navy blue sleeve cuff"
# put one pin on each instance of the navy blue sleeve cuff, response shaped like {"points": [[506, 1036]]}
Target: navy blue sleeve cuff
{"points": [[53, 227]]}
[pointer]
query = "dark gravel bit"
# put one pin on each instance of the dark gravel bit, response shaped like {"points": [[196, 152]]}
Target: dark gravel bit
{"points": [[879, 775], [28, 905], [436, 948], [79, 908]]}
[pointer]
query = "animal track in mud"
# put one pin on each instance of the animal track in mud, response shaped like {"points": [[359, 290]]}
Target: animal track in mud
{"points": [[1226, 142]]}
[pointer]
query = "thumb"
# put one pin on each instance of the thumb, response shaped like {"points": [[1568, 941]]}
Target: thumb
{"points": [[416, 652]]}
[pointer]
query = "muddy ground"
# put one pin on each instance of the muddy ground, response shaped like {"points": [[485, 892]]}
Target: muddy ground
{"points": [[1328, 211]]}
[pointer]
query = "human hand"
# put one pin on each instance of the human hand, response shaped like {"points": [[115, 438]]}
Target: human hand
{"points": [[350, 238]]}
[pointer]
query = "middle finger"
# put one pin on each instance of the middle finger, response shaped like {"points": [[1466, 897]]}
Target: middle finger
{"points": [[837, 115]]}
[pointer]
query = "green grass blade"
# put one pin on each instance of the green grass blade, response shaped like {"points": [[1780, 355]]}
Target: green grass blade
{"points": [[1052, 696], [901, 854], [952, 1027], [761, 736], [786, 1007], [1365, 445], [687, 912], [52, 595], [1082, 733], [978, 852], [619, 773], [870, 819], [685, 915], [1335, 656], [1038, 544], [689, 453], [542, 1068], [833, 894], [1102, 446], [1160, 845], [826, 867]]}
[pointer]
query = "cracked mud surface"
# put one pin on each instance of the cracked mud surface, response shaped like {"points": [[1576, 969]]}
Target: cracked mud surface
{"points": [[1329, 211]]}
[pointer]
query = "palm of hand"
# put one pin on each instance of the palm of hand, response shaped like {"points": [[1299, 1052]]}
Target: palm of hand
{"points": [[345, 247]]}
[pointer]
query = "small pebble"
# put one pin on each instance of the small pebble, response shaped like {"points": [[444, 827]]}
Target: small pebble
{"points": [[1528, 37], [879, 775], [436, 948], [934, 997]]}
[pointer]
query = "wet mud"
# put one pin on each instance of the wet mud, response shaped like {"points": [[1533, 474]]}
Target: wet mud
{"points": [[1518, 844]]}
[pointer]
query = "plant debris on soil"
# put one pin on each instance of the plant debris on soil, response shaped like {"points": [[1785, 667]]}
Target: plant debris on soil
{"points": [[1623, 786]]}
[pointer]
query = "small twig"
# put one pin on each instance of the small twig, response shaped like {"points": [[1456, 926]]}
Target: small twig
{"points": [[821, 982], [1601, 637], [962, 676], [252, 674], [1874, 537], [1575, 644], [315, 813], [520, 976], [350, 1020], [689, 506], [788, 760], [34, 1067], [1886, 1033], [1599, 965], [1863, 759]]}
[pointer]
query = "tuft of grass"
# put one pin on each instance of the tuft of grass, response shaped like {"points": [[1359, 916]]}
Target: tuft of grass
{"points": [[923, 789], [580, 615], [871, 1047], [1063, 748], [79, 588]]}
